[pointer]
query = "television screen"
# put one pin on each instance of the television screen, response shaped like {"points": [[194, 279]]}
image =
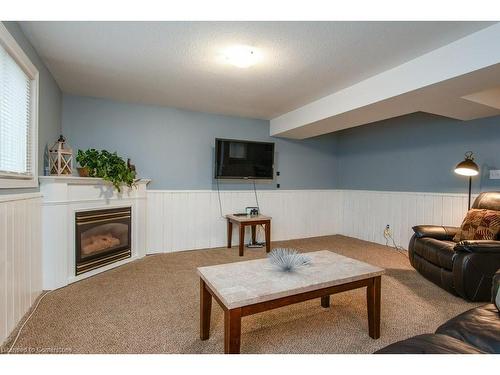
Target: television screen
{"points": [[244, 159]]}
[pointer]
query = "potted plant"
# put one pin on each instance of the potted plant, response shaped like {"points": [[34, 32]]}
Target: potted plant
{"points": [[106, 165], [88, 162]]}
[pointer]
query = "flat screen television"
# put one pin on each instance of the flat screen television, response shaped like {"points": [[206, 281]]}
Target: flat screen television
{"points": [[235, 159]]}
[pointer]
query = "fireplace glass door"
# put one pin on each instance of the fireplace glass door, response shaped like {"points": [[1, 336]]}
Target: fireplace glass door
{"points": [[102, 237]]}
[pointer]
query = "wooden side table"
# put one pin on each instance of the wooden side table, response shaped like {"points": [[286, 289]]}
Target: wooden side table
{"points": [[252, 221]]}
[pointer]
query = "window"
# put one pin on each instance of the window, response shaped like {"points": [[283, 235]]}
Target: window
{"points": [[18, 115]]}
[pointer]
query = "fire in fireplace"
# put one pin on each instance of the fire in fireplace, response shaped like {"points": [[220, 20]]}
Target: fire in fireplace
{"points": [[102, 237]]}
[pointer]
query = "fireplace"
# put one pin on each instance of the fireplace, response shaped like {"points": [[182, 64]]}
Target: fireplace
{"points": [[102, 237]]}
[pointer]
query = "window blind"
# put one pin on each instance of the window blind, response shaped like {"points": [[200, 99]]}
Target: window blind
{"points": [[15, 121]]}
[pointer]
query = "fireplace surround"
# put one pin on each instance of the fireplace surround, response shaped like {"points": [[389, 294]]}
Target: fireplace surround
{"points": [[68, 200]]}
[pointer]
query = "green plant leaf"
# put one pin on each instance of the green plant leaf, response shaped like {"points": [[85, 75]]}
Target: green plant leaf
{"points": [[108, 166]]}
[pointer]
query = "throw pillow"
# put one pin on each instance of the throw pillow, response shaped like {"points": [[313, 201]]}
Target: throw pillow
{"points": [[489, 228], [479, 225]]}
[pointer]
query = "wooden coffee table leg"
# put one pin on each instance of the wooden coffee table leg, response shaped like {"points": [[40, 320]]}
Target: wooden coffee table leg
{"points": [[229, 233], [242, 239], [205, 310], [253, 234], [268, 237], [325, 302], [232, 331], [373, 302]]}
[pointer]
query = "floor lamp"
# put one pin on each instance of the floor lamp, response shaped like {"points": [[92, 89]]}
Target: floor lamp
{"points": [[468, 168]]}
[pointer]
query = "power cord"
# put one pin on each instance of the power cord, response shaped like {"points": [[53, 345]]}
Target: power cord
{"points": [[388, 236], [260, 244], [256, 198], [220, 201], [26, 321]]}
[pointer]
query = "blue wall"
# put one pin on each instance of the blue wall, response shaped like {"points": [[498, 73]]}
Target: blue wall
{"points": [[417, 152], [175, 148]]}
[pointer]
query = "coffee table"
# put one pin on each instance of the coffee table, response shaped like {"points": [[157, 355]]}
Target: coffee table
{"points": [[254, 286]]}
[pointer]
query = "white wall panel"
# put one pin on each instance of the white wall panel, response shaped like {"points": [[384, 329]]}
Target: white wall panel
{"points": [[366, 213], [184, 220], [20, 257]]}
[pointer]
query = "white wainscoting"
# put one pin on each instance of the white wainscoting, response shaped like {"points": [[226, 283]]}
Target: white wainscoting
{"points": [[20, 257], [184, 220], [366, 213]]}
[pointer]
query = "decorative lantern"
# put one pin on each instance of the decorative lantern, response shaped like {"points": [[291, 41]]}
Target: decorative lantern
{"points": [[60, 158]]}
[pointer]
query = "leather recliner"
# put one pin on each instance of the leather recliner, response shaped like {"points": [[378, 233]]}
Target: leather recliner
{"points": [[465, 268], [474, 331]]}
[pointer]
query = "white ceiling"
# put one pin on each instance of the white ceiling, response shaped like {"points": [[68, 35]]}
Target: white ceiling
{"points": [[459, 80], [490, 97], [175, 63]]}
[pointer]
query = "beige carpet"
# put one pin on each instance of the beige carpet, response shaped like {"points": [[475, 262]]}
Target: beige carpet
{"points": [[151, 306]]}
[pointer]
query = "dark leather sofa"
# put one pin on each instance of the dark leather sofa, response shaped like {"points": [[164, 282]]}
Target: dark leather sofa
{"points": [[473, 332], [465, 268]]}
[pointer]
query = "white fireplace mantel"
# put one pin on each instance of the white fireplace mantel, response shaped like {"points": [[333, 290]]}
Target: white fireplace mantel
{"points": [[65, 195]]}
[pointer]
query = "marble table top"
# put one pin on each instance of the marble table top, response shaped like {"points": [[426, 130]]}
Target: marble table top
{"points": [[248, 218], [253, 281]]}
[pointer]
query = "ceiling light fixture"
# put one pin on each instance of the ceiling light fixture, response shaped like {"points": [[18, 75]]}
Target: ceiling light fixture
{"points": [[241, 56]]}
